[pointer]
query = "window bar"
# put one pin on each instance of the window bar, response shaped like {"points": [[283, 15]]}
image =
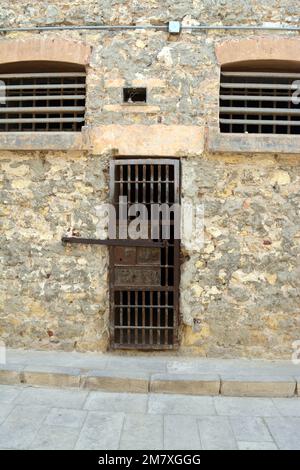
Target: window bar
{"points": [[136, 317], [20, 115], [121, 315], [143, 316], [128, 186], [128, 316], [159, 294], [151, 318], [289, 116], [260, 115]]}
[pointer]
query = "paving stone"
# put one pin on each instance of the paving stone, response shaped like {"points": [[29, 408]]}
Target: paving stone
{"points": [[8, 394], [51, 376], [216, 433], [190, 384], [180, 404], [115, 402], [66, 417], [285, 432], [258, 386], [116, 381], [247, 428], [142, 432], [20, 427], [101, 431], [244, 445], [55, 438], [181, 432], [5, 410], [245, 406], [288, 406], [52, 397]]}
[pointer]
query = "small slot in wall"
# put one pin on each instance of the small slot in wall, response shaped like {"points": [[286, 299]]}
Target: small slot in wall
{"points": [[135, 95]]}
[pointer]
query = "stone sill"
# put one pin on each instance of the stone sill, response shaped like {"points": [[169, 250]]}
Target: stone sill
{"points": [[43, 141], [218, 142]]}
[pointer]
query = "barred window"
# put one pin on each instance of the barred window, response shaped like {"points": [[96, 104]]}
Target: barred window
{"points": [[260, 98], [42, 96]]}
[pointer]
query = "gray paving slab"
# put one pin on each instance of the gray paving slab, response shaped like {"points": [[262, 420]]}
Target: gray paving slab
{"points": [[181, 432], [5, 410], [244, 445], [216, 433], [8, 393], [181, 404], [52, 397], [54, 438], [245, 406], [285, 432], [21, 426], [248, 428], [288, 406], [142, 432], [66, 417], [117, 402], [101, 431]]}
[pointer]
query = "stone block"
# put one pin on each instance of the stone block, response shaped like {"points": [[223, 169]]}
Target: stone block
{"points": [[52, 376], [258, 386], [10, 374], [114, 381], [189, 384]]}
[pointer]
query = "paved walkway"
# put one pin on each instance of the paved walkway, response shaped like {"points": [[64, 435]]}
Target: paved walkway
{"points": [[155, 373], [45, 418]]}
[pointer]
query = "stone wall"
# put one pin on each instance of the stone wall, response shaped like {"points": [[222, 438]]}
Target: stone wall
{"points": [[240, 293]]}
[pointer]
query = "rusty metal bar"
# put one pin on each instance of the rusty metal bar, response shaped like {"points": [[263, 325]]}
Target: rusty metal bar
{"points": [[42, 109], [117, 242]]}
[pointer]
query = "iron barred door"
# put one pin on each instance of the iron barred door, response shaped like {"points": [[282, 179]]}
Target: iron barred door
{"points": [[144, 274]]}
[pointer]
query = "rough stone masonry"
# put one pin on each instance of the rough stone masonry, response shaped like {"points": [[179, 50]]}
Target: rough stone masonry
{"points": [[241, 289]]}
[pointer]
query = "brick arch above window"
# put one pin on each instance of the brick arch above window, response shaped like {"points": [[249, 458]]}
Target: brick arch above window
{"points": [[259, 48], [45, 49]]}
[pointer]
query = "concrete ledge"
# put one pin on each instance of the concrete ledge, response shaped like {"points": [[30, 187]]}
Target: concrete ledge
{"points": [[42, 141], [10, 374], [218, 142], [189, 384], [133, 381], [258, 386], [112, 381], [51, 376]]}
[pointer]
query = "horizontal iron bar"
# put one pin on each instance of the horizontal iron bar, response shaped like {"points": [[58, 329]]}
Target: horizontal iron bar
{"points": [[165, 27], [133, 327], [241, 110], [44, 86], [261, 122], [256, 98], [261, 74], [29, 120], [262, 86], [117, 242], [144, 346], [42, 97], [42, 109], [42, 75]]}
